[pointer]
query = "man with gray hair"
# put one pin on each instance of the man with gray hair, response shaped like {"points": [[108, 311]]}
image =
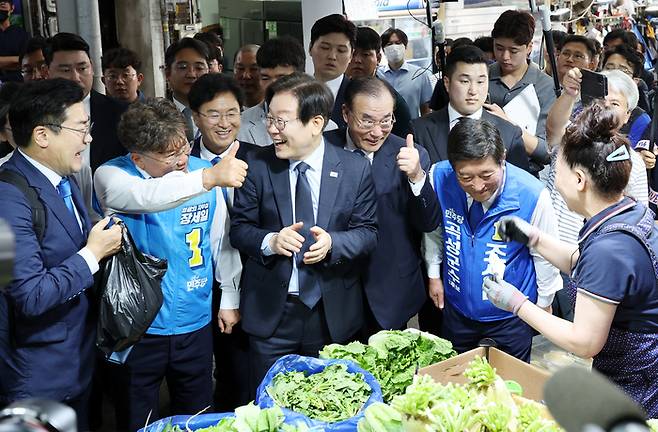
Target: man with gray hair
{"points": [[247, 72]]}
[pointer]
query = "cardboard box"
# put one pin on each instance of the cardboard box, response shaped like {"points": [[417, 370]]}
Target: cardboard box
{"points": [[531, 378]]}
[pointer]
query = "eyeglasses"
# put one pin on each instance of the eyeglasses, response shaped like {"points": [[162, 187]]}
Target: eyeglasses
{"points": [[278, 123], [368, 124], [84, 131], [624, 69], [574, 55], [197, 67], [215, 118], [125, 76], [173, 158]]}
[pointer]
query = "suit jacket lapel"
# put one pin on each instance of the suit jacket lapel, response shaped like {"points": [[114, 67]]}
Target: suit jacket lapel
{"points": [[280, 178], [331, 178], [81, 207], [196, 147], [49, 196], [444, 130]]}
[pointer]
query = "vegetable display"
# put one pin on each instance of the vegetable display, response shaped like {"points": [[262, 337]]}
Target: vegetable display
{"points": [[331, 396], [483, 405], [393, 356]]}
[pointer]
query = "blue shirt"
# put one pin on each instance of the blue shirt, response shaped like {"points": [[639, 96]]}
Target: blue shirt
{"points": [[413, 84], [632, 284]]}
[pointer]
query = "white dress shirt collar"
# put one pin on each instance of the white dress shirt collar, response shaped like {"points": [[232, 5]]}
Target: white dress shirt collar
{"points": [[454, 115], [87, 104], [334, 84], [350, 146], [314, 160], [51, 175], [206, 154]]}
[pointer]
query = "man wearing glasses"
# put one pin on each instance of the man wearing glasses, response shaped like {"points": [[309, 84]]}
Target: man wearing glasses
{"points": [[301, 286], [393, 275], [122, 75], [185, 61], [47, 323], [577, 51]]}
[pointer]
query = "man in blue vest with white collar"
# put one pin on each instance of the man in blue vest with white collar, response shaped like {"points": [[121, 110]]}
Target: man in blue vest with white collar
{"points": [[476, 188]]}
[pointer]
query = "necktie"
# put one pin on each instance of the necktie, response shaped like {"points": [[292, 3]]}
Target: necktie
{"points": [[64, 190], [215, 161], [475, 214], [309, 290], [189, 124]]}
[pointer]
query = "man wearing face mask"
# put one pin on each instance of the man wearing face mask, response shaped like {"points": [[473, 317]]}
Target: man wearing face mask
{"points": [[12, 40], [412, 82]]}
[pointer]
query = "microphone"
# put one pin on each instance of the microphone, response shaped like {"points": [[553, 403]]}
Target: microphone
{"points": [[440, 41], [581, 401]]}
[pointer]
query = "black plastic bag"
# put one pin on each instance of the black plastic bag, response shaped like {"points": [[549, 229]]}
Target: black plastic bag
{"points": [[131, 296]]}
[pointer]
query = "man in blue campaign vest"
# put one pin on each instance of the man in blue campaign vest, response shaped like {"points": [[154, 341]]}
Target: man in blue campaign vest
{"points": [[475, 188], [178, 345]]}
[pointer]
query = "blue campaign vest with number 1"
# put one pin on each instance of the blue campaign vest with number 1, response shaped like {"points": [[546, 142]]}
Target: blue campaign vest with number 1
{"points": [[467, 253], [181, 236]]}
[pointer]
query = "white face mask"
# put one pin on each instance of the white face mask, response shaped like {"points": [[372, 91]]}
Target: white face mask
{"points": [[394, 53]]}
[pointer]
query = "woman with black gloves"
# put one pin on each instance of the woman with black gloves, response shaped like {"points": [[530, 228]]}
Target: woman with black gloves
{"points": [[614, 269]]}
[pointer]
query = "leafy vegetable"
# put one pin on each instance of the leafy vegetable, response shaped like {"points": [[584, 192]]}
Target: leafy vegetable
{"points": [[653, 425], [331, 395], [380, 417], [393, 356]]}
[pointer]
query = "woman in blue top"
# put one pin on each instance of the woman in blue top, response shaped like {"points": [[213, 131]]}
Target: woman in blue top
{"points": [[614, 270]]}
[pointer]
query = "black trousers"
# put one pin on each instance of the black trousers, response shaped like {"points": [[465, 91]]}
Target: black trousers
{"points": [[231, 373], [301, 331], [185, 361], [511, 335], [370, 323]]}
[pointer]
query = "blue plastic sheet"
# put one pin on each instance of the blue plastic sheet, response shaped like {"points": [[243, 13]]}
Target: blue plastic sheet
{"points": [[312, 365], [198, 422]]}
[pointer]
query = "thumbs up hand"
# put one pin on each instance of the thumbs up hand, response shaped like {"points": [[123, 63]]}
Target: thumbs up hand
{"points": [[229, 172], [409, 161]]}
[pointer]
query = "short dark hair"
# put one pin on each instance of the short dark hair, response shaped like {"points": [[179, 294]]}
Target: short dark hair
{"points": [[386, 36], [64, 42], [8, 92], [281, 51], [334, 23], [472, 139], [121, 58], [41, 102], [516, 25], [186, 42], [587, 143], [212, 41], [461, 42], [630, 55], [558, 38], [368, 39], [469, 54], [152, 125], [587, 42], [485, 43], [369, 86], [627, 38], [208, 86], [33, 44], [313, 97]]}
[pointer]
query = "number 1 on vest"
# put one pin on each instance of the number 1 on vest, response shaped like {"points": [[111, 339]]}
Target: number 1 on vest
{"points": [[193, 239]]}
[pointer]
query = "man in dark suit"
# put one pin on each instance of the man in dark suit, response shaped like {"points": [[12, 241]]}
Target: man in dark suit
{"points": [[333, 39], [305, 217], [47, 332], [467, 81], [393, 275]]}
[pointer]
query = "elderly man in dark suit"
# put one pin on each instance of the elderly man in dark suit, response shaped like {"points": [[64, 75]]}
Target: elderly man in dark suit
{"points": [[467, 81], [305, 217], [393, 281], [47, 330]]}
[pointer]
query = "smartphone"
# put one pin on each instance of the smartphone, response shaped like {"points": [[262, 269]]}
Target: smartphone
{"points": [[593, 86]]}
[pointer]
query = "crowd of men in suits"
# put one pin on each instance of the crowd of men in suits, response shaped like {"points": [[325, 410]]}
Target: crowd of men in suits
{"points": [[294, 211]]}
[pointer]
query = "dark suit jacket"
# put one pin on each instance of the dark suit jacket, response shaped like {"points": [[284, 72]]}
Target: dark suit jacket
{"points": [[337, 112], [431, 131], [393, 283], [46, 332], [346, 211], [105, 113]]}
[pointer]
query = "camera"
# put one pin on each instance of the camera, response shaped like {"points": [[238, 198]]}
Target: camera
{"points": [[37, 415]]}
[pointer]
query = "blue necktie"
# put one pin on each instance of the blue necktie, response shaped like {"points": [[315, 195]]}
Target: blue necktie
{"points": [[309, 289], [215, 161], [64, 190], [475, 215]]}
